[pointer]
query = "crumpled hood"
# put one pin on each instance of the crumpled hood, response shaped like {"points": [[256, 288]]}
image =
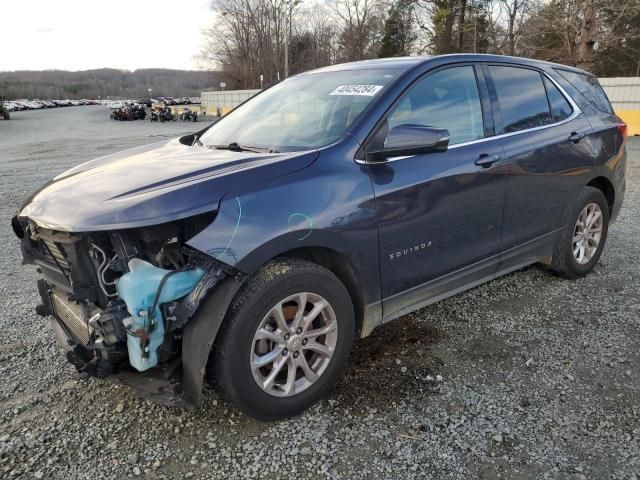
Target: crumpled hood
{"points": [[150, 185]]}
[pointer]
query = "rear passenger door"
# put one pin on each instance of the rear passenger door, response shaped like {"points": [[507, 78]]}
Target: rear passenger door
{"points": [[548, 152]]}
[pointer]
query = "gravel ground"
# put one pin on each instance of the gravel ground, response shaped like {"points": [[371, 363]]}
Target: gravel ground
{"points": [[529, 376]]}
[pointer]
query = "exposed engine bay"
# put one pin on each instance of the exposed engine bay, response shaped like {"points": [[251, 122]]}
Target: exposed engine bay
{"points": [[119, 300]]}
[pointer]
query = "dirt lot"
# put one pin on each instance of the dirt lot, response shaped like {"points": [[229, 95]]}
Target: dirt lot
{"points": [[527, 377]]}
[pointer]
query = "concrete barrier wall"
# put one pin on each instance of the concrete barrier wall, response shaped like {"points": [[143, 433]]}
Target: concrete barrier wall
{"points": [[624, 93]]}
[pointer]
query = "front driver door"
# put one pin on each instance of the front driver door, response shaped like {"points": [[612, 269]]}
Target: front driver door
{"points": [[438, 212]]}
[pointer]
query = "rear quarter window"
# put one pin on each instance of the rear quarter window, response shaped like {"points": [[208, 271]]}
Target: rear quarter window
{"points": [[588, 86], [560, 107]]}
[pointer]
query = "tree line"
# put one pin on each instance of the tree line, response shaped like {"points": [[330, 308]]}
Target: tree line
{"points": [[271, 39], [106, 82]]}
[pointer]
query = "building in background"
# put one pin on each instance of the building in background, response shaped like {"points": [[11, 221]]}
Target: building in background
{"points": [[624, 94], [222, 102]]}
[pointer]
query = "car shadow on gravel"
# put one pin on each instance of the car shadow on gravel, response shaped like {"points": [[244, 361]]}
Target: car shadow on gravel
{"points": [[396, 361]]}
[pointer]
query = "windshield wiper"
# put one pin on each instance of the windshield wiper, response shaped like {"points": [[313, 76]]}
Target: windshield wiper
{"points": [[235, 147]]}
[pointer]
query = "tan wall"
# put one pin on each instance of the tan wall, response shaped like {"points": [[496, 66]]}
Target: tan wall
{"points": [[224, 100], [624, 93]]}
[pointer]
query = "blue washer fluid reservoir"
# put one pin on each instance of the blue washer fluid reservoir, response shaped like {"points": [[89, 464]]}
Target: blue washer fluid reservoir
{"points": [[138, 289]]}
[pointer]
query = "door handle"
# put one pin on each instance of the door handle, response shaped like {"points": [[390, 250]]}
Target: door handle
{"points": [[575, 137], [485, 160]]}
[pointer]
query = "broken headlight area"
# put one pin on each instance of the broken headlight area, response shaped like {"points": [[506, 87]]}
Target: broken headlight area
{"points": [[118, 301]]}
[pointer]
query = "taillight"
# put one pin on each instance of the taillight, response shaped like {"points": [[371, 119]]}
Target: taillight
{"points": [[622, 128]]}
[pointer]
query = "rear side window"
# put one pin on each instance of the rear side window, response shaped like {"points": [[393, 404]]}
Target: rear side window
{"points": [[588, 86], [560, 107], [522, 98], [445, 99]]}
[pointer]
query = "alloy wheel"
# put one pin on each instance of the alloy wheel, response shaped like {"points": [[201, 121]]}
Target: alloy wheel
{"points": [[294, 344], [587, 233]]}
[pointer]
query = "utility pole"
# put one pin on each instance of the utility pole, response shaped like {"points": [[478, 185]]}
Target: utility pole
{"points": [[291, 4], [475, 34], [287, 38]]}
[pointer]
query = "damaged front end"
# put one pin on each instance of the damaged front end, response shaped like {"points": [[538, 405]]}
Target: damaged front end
{"points": [[121, 302]]}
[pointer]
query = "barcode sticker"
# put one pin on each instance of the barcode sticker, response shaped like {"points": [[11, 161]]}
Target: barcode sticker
{"points": [[365, 90]]}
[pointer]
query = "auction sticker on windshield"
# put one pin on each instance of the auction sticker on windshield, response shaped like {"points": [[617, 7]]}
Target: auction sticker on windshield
{"points": [[366, 90]]}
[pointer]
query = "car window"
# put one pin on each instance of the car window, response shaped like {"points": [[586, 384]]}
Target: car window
{"points": [[590, 88], [522, 98], [445, 99], [560, 107], [303, 112]]}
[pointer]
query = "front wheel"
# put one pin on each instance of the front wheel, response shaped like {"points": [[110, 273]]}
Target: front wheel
{"points": [[287, 335], [580, 243]]}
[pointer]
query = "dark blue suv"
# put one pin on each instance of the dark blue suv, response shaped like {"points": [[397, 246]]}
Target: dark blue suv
{"points": [[253, 252]]}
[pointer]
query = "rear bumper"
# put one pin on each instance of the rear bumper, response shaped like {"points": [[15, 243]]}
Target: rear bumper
{"points": [[619, 198], [618, 177]]}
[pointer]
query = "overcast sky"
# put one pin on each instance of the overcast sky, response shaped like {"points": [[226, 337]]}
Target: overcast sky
{"points": [[86, 34]]}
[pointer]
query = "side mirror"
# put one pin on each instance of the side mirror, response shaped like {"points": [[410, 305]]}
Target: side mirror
{"points": [[405, 140]]}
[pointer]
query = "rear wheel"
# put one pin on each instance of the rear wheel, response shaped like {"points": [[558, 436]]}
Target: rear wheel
{"points": [[580, 243], [285, 339]]}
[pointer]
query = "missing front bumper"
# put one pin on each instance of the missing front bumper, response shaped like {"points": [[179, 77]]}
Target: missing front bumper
{"points": [[161, 384]]}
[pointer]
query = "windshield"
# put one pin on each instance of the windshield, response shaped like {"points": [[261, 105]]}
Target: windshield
{"points": [[301, 113]]}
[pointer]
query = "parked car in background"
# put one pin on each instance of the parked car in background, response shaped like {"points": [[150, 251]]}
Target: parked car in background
{"points": [[28, 105], [147, 102], [194, 99], [37, 103], [13, 107], [255, 251]]}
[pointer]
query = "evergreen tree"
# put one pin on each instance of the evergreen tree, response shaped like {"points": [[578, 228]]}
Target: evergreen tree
{"points": [[398, 34]]}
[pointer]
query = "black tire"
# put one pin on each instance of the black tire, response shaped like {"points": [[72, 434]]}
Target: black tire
{"points": [[229, 366], [564, 261]]}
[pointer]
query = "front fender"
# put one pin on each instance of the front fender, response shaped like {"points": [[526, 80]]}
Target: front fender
{"points": [[329, 204]]}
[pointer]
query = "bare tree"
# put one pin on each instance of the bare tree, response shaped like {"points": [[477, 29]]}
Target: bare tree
{"points": [[574, 31], [515, 13], [360, 27], [271, 38]]}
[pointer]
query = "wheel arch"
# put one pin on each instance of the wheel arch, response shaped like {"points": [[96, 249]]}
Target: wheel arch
{"points": [[202, 331], [338, 264], [606, 187]]}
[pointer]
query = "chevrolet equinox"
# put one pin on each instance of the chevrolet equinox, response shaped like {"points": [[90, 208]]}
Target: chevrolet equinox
{"points": [[253, 252]]}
